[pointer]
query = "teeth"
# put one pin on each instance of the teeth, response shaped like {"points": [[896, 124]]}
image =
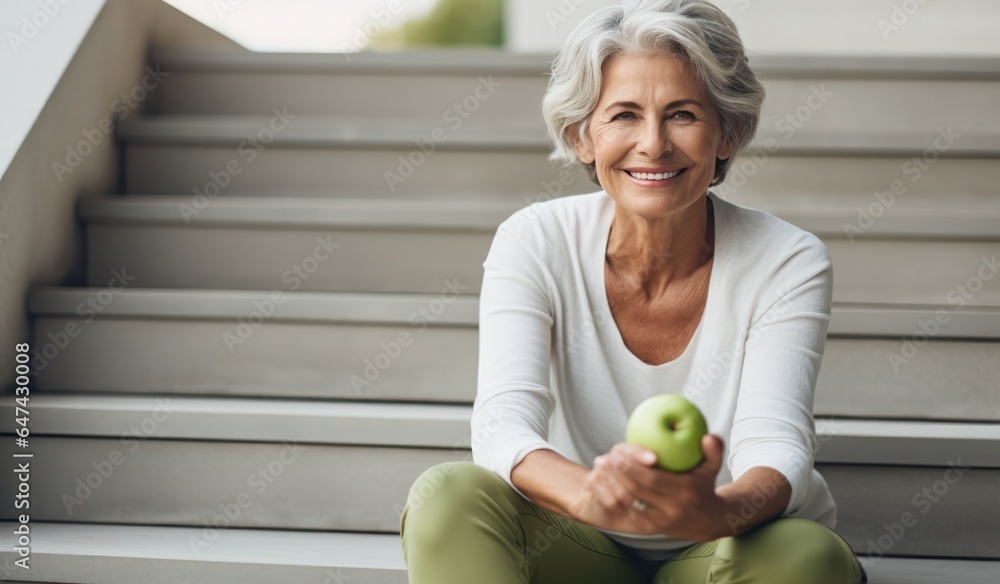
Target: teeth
{"points": [[659, 176]]}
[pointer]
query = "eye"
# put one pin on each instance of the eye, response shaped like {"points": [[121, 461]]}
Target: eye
{"points": [[685, 115], [622, 114]]}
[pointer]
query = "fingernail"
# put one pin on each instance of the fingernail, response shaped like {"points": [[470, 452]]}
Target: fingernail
{"points": [[649, 457]]}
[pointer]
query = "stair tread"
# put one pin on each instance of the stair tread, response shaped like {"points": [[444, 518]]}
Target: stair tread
{"points": [[447, 426], [414, 61], [333, 131], [379, 307], [483, 215], [930, 571], [296, 547], [297, 306], [468, 60], [65, 550], [250, 419]]}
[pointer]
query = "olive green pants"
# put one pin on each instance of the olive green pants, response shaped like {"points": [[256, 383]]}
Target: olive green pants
{"points": [[462, 524]]}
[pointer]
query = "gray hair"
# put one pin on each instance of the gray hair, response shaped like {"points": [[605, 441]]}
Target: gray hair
{"points": [[695, 30]]}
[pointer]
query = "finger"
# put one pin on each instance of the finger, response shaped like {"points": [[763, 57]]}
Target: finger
{"points": [[621, 470], [636, 489], [713, 447], [609, 491], [641, 454], [611, 462], [620, 462]]}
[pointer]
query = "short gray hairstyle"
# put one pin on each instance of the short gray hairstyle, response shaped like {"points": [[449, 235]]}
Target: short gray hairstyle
{"points": [[695, 30]]}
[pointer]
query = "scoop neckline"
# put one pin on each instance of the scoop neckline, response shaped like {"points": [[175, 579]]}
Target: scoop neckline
{"points": [[717, 256]]}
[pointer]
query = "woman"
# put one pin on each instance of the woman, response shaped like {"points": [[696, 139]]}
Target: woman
{"points": [[592, 303]]}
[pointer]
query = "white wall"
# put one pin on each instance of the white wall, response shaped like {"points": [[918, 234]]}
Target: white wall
{"points": [[60, 90], [841, 27]]}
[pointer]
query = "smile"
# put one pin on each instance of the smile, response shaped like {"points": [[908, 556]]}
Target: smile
{"points": [[659, 178]]}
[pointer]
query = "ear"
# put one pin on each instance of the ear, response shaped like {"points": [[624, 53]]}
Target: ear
{"points": [[583, 148], [725, 149]]}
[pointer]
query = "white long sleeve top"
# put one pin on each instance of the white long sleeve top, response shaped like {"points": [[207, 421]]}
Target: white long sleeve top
{"points": [[554, 372]]}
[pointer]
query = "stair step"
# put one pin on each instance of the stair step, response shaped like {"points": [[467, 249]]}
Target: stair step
{"points": [[841, 441], [360, 246], [332, 132], [345, 245], [384, 158], [341, 345], [916, 511], [354, 213], [910, 89], [890, 570], [313, 307], [356, 488], [141, 479], [354, 83], [424, 348], [485, 215], [190, 460], [469, 60], [125, 554], [258, 420], [945, 379], [387, 172]]}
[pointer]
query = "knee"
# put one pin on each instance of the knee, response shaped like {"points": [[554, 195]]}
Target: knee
{"points": [[456, 481], [442, 495], [804, 547], [790, 550]]}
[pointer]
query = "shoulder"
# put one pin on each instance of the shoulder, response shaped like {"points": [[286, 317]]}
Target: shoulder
{"points": [[549, 224], [770, 240], [772, 259]]}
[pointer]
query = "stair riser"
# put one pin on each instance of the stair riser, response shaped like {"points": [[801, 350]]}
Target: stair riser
{"points": [[863, 184], [945, 379], [914, 511], [381, 173], [345, 360], [222, 257], [274, 486], [352, 260], [758, 180], [951, 275], [440, 99], [819, 104], [223, 484]]}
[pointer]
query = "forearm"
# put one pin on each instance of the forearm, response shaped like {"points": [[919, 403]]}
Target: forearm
{"points": [[761, 494], [550, 480]]}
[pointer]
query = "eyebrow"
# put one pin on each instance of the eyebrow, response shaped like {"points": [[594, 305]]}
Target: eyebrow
{"points": [[671, 105]]}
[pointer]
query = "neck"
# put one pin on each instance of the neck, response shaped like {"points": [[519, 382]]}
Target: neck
{"points": [[654, 253]]}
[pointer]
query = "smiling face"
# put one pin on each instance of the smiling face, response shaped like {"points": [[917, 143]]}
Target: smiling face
{"points": [[654, 118]]}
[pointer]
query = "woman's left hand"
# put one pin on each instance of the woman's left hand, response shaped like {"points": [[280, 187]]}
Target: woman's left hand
{"points": [[681, 505]]}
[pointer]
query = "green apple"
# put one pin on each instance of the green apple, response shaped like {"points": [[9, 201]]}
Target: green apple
{"points": [[671, 426]]}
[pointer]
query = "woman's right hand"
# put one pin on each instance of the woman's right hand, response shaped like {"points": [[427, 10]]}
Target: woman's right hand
{"points": [[681, 505]]}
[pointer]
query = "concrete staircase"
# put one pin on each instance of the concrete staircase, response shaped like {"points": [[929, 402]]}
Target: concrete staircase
{"points": [[278, 332]]}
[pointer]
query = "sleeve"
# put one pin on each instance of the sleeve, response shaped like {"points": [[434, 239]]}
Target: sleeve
{"points": [[773, 424], [513, 398]]}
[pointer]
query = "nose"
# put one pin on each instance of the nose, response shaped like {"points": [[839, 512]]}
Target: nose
{"points": [[654, 139]]}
